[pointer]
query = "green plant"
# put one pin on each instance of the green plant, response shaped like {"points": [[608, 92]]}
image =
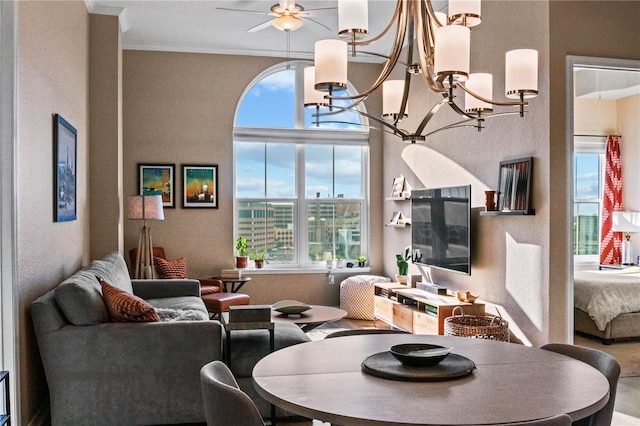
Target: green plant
{"points": [[361, 259], [258, 255], [402, 260], [241, 246]]}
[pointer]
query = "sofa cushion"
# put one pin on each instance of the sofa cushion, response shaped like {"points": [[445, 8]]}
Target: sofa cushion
{"points": [[174, 269], [80, 299], [126, 307], [179, 302], [113, 269]]}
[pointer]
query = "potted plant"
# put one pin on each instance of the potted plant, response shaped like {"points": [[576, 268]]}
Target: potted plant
{"points": [[339, 262], [259, 258], [362, 261], [242, 260], [402, 260]]}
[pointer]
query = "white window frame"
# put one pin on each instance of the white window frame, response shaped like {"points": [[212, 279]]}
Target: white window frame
{"points": [[301, 136]]}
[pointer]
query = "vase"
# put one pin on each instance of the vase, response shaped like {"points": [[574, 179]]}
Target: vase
{"points": [[402, 279], [242, 262], [259, 264]]}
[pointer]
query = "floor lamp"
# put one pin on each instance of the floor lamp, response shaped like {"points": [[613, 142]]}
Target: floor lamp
{"points": [[145, 207], [626, 222]]}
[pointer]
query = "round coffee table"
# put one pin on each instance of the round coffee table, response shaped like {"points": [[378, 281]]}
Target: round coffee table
{"points": [[312, 318]]}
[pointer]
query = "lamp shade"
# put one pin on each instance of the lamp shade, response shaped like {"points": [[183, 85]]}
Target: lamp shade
{"points": [[145, 207], [392, 91], [452, 51], [481, 84], [353, 18], [287, 23], [521, 74], [465, 12], [312, 97], [626, 222], [331, 65]]}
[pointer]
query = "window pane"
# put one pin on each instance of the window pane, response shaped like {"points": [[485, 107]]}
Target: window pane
{"points": [[281, 170], [334, 228], [587, 176], [269, 103], [319, 171], [585, 228], [250, 163], [348, 174], [269, 227]]}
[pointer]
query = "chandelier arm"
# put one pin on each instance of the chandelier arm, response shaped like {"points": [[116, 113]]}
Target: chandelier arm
{"points": [[460, 111], [430, 115], [492, 102], [407, 74], [384, 32], [380, 55], [425, 56], [426, 5], [463, 123], [396, 130]]}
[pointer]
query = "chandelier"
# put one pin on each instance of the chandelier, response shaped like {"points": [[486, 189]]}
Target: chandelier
{"points": [[437, 48]]}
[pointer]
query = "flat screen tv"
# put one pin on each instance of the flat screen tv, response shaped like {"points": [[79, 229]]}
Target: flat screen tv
{"points": [[440, 228]]}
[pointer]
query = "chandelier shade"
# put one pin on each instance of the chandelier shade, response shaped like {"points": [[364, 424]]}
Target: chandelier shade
{"points": [[437, 50], [312, 97]]}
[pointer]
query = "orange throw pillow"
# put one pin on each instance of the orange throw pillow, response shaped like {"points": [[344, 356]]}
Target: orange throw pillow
{"points": [[171, 269], [126, 307]]}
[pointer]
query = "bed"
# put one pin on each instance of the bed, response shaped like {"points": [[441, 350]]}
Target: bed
{"points": [[607, 303]]}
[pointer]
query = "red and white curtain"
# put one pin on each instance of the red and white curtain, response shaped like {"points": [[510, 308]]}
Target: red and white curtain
{"points": [[611, 242]]}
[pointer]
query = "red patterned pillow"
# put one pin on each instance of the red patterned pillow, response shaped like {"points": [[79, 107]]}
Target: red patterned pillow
{"points": [[126, 307], [171, 269]]}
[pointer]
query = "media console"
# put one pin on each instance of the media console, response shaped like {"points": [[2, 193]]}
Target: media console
{"points": [[417, 311]]}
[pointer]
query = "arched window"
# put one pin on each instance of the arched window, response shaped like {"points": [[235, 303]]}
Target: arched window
{"points": [[301, 190]]}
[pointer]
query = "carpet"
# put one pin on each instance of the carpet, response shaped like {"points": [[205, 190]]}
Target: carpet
{"points": [[626, 351]]}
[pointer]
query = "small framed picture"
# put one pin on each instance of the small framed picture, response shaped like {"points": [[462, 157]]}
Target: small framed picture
{"points": [[158, 179], [200, 186], [515, 185], [65, 139], [397, 187]]}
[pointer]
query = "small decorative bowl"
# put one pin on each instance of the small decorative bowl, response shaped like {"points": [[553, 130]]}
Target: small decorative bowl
{"points": [[290, 307], [466, 297], [419, 354]]}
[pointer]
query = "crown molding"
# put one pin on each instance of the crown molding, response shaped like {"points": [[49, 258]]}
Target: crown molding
{"points": [[120, 12]]}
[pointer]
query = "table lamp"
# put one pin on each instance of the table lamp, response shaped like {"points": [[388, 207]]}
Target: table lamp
{"points": [[145, 207], [626, 222]]}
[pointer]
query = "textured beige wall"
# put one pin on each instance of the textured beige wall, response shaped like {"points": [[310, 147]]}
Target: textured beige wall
{"points": [[53, 78], [606, 29], [179, 108]]}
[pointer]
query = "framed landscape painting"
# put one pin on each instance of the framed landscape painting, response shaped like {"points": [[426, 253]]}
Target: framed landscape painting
{"points": [[200, 186], [65, 151], [158, 179]]}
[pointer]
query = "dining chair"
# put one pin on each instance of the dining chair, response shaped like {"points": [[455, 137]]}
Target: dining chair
{"points": [[604, 363], [224, 403], [359, 331], [559, 420]]}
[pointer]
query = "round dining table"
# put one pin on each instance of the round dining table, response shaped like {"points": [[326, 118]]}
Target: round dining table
{"points": [[511, 383]]}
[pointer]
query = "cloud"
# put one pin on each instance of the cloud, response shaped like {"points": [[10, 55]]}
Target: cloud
{"points": [[280, 81]]}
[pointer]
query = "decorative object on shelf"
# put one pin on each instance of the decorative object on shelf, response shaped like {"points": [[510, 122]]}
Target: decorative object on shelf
{"points": [[442, 47], [158, 179], [490, 200], [145, 207], [339, 262], [65, 145], [402, 260], [259, 258], [242, 260], [515, 185], [329, 259], [398, 187], [362, 261], [419, 354], [290, 307], [466, 296], [626, 222], [200, 186]]}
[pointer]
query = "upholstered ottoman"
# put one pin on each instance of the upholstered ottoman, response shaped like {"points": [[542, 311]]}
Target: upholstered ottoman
{"points": [[356, 295], [220, 302]]}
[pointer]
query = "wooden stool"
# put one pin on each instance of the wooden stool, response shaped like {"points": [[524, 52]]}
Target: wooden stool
{"points": [[218, 303]]}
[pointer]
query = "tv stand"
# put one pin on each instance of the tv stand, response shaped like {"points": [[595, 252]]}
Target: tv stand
{"points": [[417, 311]]}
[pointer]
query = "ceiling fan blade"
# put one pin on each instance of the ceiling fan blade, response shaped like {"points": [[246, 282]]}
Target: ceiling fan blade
{"points": [[323, 11], [256, 12], [259, 27], [315, 22]]}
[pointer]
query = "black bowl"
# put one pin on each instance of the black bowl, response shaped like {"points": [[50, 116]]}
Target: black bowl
{"points": [[419, 354]]}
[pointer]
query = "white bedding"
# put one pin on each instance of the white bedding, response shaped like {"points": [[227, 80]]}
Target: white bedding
{"points": [[606, 294]]}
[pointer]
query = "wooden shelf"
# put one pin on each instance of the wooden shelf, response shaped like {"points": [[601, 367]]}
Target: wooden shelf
{"points": [[508, 213]]}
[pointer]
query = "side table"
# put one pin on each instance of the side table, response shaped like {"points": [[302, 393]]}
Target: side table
{"points": [[234, 283]]}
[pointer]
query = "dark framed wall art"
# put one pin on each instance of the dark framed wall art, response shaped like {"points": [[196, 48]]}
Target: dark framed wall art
{"points": [[65, 147], [158, 179], [200, 186], [515, 185]]}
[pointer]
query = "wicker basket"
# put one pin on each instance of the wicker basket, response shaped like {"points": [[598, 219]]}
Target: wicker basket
{"points": [[479, 327]]}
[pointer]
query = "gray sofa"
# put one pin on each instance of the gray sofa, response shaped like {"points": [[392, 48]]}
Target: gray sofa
{"points": [[105, 373]]}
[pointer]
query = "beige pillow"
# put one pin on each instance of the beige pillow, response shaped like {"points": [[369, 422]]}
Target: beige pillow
{"points": [[126, 307]]}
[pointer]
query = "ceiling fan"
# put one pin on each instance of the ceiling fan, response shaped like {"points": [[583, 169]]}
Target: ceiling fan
{"points": [[288, 16]]}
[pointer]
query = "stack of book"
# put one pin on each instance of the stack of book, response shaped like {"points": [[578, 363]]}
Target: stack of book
{"points": [[231, 273]]}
